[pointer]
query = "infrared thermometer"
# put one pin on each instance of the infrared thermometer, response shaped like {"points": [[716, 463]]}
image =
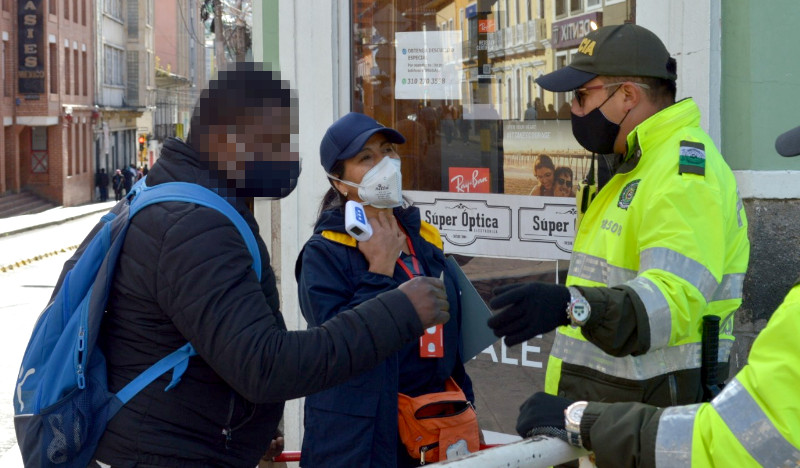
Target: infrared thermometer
{"points": [[355, 221]]}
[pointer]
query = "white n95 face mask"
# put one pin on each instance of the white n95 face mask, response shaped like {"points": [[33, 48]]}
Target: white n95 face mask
{"points": [[382, 186]]}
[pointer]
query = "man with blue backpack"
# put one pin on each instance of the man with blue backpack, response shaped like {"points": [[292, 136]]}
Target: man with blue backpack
{"points": [[192, 285]]}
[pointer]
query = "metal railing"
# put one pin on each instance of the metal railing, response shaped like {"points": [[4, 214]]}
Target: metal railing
{"points": [[536, 452]]}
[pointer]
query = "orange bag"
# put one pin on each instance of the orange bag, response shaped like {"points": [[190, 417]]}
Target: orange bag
{"points": [[431, 423]]}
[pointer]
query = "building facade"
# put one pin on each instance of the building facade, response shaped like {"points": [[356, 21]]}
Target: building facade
{"points": [[125, 91], [47, 100], [180, 66]]}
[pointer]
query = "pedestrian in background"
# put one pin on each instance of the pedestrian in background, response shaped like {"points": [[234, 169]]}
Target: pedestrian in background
{"points": [[103, 184], [128, 176], [118, 184]]}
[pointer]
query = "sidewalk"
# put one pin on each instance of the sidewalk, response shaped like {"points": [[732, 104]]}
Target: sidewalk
{"points": [[27, 238], [22, 223]]}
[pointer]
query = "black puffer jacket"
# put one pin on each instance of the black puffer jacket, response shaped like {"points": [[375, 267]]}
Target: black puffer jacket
{"points": [[185, 274]]}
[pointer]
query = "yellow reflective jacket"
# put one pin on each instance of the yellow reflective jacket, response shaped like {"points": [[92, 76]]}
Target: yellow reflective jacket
{"points": [[668, 232], [755, 421]]}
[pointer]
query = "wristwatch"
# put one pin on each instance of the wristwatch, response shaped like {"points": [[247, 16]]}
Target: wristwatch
{"points": [[578, 309], [572, 422]]}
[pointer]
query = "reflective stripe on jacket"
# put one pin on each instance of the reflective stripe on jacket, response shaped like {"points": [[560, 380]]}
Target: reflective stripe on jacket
{"points": [[678, 241], [756, 419]]}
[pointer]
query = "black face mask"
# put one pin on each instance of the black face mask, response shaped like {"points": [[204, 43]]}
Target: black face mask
{"points": [[594, 131]]}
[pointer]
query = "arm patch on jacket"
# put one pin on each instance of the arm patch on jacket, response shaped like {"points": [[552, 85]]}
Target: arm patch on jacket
{"points": [[692, 158]]}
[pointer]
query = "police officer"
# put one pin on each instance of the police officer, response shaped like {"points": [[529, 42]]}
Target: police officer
{"points": [[755, 421], [661, 245]]}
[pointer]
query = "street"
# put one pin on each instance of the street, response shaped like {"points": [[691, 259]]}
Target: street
{"points": [[25, 292]]}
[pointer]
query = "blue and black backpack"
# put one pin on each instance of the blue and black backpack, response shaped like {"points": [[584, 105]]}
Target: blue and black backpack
{"points": [[61, 401]]}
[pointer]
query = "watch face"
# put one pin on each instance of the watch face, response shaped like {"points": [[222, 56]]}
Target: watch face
{"points": [[576, 413], [580, 311]]}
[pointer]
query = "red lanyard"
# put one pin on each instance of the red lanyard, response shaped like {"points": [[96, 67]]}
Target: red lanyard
{"points": [[414, 263]]}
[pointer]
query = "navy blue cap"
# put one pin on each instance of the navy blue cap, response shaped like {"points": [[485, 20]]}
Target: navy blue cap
{"points": [[345, 138]]}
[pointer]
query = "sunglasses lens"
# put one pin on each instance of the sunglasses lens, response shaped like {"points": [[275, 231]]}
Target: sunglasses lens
{"points": [[566, 182]]}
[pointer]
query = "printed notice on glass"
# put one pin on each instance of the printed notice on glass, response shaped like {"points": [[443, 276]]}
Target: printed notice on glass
{"points": [[428, 65]]}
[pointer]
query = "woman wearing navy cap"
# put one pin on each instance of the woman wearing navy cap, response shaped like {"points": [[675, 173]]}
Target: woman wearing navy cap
{"points": [[356, 423]]}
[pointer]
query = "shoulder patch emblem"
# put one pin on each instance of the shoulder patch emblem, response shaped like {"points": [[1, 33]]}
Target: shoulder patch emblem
{"points": [[627, 194], [692, 158]]}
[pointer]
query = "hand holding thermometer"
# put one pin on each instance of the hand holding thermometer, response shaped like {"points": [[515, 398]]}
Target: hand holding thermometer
{"points": [[355, 221]]}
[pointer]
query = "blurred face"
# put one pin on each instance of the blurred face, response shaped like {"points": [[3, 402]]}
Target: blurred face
{"points": [[260, 134], [373, 152], [563, 185], [545, 177], [256, 153]]}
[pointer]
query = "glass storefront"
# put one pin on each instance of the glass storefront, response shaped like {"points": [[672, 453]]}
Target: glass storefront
{"points": [[490, 158]]}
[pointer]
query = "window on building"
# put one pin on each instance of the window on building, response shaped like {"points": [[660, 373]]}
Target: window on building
{"points": [[113, 65], [575, 6], [66, 9], [75, 10], [51, 7], [85, 74], [53, 68], [6, 5], [561, 8], [70, 150], [83, 12], [39, 150], [6, 74], [593, 4], [67, 71], [541, 9], [113, 8], [77, 64]]}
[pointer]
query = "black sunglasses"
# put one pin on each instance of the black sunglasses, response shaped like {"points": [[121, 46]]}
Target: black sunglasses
{"points": [[566, 182]]}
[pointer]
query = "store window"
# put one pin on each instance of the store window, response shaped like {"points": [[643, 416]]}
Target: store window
{"points": [[484, 142], [478, 126]]}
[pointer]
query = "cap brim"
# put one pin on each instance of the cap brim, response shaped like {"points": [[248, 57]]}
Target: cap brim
{"points": [[565, 79], [788, 143], [392, 135]]}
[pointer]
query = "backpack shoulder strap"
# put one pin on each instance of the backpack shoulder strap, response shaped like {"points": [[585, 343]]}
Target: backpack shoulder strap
{"points": [[144, 196], [193, 193]]}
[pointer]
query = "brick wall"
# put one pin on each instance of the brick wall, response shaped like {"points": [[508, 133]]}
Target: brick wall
{"points": [[70, 174]]}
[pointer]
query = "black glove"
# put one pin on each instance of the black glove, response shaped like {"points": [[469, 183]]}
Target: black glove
{"points": [[533, 308], [543, 414]]}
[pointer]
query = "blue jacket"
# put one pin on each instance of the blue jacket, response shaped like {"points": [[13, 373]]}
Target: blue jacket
{"points": [[355, 424]]}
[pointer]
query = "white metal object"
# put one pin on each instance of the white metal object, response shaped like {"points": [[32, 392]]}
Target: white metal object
{"points": [[535, 452]]}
